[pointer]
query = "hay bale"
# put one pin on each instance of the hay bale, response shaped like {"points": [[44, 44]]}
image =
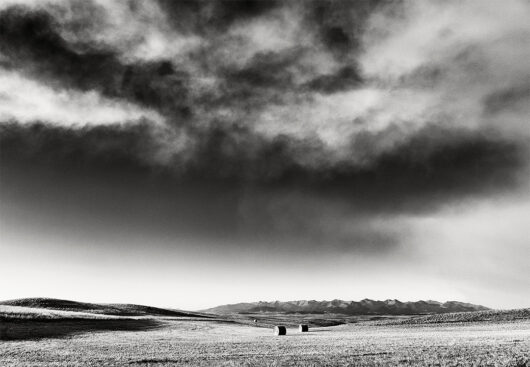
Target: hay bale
{"points": [[280, 330], [303, 328]]}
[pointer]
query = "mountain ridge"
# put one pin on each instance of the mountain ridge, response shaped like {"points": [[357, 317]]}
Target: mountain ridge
{"points": [[337, 306]]}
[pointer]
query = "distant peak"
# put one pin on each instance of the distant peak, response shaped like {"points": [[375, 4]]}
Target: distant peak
{"points": [[365, 306]]}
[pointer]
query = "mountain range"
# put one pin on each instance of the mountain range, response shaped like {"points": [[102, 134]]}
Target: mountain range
{"points": [[364, 307]]}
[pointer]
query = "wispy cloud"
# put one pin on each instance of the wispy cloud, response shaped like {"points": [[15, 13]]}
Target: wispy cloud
{"points": [[27, 101]]}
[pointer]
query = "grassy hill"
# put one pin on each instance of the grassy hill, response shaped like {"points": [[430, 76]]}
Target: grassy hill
{"points": [[461, 317], [34, 318], [97, 308]]}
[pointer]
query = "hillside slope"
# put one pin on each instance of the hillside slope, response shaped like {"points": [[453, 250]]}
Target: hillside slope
{"points": [[463, 317], [97, 308]]}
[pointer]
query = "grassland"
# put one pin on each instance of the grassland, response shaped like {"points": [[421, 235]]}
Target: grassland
{"points": [[491, 340]]}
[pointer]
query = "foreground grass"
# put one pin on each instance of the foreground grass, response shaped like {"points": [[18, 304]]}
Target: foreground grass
{"points": [[215, 343]]}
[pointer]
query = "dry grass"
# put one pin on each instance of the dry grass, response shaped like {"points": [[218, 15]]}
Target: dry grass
{"points": [[269, 319], [10, 313], [34, 323], [464, 317], [202, 342]]}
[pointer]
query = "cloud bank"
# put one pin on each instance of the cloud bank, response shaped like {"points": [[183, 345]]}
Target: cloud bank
{"points": [[326, 121]]}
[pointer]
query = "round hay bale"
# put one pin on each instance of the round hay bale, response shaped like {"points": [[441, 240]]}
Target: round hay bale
{"points": [[280, 330], [303, 328]]}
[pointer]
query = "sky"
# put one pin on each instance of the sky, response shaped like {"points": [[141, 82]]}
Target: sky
{"points": [[196, 153]]}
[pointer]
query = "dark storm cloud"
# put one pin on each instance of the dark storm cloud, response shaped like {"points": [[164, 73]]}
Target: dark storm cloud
{"points": [[81, 52], [204, 16], [507, 98], [434, 167], [238, 185], [103, 148], [345, 78], [102, 178], [158, 85], [262, 102], [265, 70], [228, 11], [340, 23], [31, 41], [263, 80], [427, 170]]}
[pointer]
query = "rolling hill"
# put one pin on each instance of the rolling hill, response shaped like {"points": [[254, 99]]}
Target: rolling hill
{"points": [[462, 317], [364, 307], [98, 308]]}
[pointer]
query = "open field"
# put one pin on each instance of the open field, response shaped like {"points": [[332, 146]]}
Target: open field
{"points": [[183, 341]]}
